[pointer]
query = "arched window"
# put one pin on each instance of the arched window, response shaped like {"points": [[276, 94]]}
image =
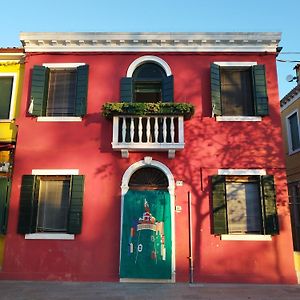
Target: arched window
{"points": [[148, 82], [148, 178], [149, 79]]}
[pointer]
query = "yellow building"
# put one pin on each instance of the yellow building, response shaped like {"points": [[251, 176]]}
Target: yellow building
{"points": [[11, 78], [290, 118]]}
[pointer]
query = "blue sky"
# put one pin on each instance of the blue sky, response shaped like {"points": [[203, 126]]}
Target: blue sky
{"points": [[158, 15]]}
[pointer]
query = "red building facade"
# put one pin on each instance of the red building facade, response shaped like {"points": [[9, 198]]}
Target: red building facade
{"points": [[106, 199]]}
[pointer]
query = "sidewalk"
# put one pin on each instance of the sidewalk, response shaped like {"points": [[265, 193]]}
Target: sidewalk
{"points": [[40, 290]]}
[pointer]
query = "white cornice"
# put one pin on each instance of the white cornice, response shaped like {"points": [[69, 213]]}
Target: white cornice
{"points": [[150, 42]]}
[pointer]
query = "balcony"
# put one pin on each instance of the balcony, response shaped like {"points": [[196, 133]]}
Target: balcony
{"points": [[148, 133]]}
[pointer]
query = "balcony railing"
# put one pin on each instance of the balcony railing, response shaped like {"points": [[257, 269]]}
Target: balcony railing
{"points": [[149, 133]]}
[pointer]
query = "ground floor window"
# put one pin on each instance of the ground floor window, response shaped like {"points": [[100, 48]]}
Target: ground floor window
{"points": [[244, 205], [294, 197], [51, 204]]}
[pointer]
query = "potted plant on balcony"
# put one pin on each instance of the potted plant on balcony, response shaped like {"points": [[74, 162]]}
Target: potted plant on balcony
{"points": [[111, 109]]}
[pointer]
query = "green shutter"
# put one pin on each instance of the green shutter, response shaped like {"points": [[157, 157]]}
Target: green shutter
{"points": [[215, 85], [168, 89], [6, 84], [260, 90], [4, 198], [39, 90], [76, 202], [27, 216], [270, 219], [81, 90], [219, 205], [126, 92]]}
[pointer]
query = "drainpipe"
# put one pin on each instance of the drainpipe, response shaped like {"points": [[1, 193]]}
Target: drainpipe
{"points": [[191, 263]]}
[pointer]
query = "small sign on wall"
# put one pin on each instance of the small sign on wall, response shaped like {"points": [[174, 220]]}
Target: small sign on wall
{"points": [[179, 183]]}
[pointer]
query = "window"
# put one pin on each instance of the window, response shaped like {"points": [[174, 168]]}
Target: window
{"points": [[293, 132], [5, 185], [244, 205], [6, 89], [294, 196], [238, 90], [51, 204], [59, 90], [149, 83]]}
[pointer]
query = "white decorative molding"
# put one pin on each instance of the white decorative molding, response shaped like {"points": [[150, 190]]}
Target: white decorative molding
{"points": [[59, 119], [148, 161], [242, 172], [150, 41], [148, 58], [246, 237], [49, 236], [238, 118], [235, 63], [63, 65], [55, 172]]}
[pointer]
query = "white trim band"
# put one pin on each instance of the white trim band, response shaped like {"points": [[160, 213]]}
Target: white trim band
{"points": [[59, 119], [242, 172], [49, 236], [55, 172], [235, 63], [245, 237], [238, 118]]}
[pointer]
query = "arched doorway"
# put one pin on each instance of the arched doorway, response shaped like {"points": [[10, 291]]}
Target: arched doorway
{"points": [[146, 252]]}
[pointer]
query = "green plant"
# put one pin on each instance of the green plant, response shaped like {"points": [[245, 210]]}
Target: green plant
{"points": [[111, 109]]}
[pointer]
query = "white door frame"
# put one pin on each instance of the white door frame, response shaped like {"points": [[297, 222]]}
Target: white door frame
{"points": [[148, 162]]}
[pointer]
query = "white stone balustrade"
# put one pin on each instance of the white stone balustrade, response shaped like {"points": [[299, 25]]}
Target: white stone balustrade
{"points": [[148, 133]]}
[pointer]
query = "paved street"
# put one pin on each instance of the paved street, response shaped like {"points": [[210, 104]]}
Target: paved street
{"points": [[39, 290]]}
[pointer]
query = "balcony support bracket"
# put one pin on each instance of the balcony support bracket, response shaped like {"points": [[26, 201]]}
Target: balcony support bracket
{"points": [[171, 153], [124, 153]]}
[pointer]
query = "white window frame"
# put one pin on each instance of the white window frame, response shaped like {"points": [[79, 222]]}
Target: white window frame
{"points": [[237, 118], [45, 235], [13, 97], [236, 236], [63, 118], [288, 131]]}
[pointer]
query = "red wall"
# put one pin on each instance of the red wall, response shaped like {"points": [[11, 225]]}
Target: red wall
{"points": [[209, 146]]}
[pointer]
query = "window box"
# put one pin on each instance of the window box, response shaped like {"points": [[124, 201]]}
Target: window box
{"points": [[111, 109]]}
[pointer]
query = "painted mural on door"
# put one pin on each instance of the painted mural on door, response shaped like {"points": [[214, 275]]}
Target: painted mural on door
{"points": [[146, 251]]}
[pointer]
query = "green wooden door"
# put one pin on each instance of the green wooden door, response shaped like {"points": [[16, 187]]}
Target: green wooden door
{"points": [[146, 251]]}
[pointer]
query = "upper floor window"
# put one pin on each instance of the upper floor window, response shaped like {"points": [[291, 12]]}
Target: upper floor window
{"points": [[238, 90], [149, 83], [6, 92], [293, 132], [59, 90]]}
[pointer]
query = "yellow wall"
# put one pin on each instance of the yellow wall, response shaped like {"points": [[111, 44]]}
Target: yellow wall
{"points": [[8, 129], [293, 160]]}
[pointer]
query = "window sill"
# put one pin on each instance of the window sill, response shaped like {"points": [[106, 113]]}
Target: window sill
{"points": [[245, 237], [49, 236], [59, 119], [294, 151], [239, 118], [6, 120]]}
